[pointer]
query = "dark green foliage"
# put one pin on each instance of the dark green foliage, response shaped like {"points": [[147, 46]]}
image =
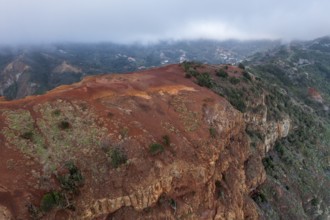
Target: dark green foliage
{"points": [[241, 66], [166, 140], [268, 163], [247, 75], [236, 99], [259, 197], [204, 80], [219, 189], [189, 65], [156, 148], [193, 73], [118, 157], [315, 201], [213, 132], [222, 73], [172, 203], [234, 80], [186, 65], [57, 112], [64, 125], [50, 200], [226, 67], [279, 149], [73, 180], [27, 135], [69, 186]]}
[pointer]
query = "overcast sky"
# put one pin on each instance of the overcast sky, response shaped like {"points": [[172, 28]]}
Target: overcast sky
{"points": [[124, 21]]}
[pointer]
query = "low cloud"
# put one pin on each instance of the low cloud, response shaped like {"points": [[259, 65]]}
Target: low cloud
{"points": [[39, 21]]}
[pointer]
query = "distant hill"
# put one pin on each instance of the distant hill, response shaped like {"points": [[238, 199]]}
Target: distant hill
{"points": [[33, 70], [298, 169]]}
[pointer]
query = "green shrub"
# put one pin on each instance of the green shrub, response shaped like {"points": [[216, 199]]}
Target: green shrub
{"points": [[222, 73], [118, 157], [64, 125], [235, 98], [268, 163], [204, 80], [27, 135], [279, 149], [72, 181], [166, 140], [314, 201], [234, 80], [247, 75], [56, 112], [241, 66], [259, 197], [213, 132], [193, 73], [155, 148], [50, 200]]}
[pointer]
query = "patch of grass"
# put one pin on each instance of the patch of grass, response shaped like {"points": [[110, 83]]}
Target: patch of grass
{"points": [[156, 148]]}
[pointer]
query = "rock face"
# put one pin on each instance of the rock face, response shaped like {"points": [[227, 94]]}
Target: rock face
{"points": [[269, 130], [202, 168]]}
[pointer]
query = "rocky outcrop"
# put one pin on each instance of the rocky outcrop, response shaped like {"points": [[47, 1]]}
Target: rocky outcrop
{"points": [[205, 169], [268, 130]]}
